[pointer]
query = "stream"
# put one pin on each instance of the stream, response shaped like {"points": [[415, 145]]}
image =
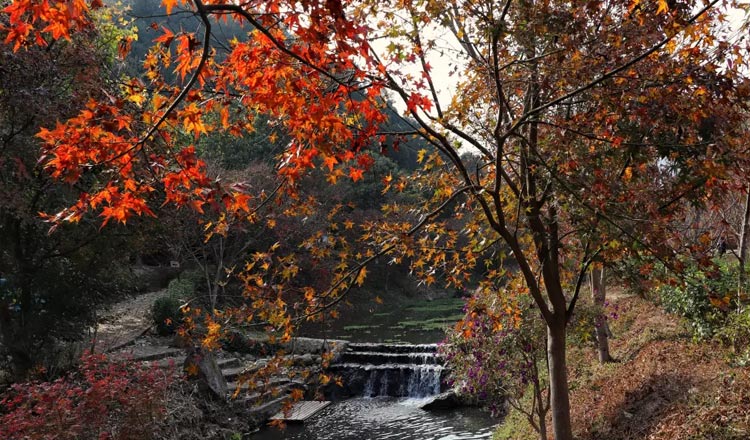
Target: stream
{"points": [[386, 374], [386, 418]]}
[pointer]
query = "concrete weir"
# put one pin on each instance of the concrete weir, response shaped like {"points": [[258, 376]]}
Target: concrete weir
{"points": [[395, 370]]}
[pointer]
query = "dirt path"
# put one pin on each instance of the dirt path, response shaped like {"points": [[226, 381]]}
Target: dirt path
{"points": [[123, 322]]}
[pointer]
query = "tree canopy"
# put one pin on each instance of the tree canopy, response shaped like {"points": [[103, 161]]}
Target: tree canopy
{"points": [[572, 128]]}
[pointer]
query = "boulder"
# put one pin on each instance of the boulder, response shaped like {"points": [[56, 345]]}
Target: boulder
{"points": [[314, 346], [443, 401], [201, 366]]}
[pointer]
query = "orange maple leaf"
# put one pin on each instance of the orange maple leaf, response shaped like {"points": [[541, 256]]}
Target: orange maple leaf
{"points": [[168, 5], [330, 162], [355, 174], [192, 370]]}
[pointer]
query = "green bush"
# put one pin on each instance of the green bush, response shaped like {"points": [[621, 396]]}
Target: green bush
{"points": [[181, 288], [735, 335], [692, 302], [166, 310], [704, 298], [166, 315]]}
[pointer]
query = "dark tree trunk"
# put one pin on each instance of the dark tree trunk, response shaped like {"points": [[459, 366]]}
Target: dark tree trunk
{"points": [[558, 378], [542, 404], [744, 236], [599, 295]]}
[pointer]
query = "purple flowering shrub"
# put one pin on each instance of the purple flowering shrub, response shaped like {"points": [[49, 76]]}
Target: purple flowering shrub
{"points": [[496, 351], [587, 318]]}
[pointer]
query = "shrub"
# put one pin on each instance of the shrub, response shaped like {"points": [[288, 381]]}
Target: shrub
{"points": [[735, 334], [704, 297], [166, 315], [692, 303], [182, 287], [496, 355], [101, 400], [166, 310]]}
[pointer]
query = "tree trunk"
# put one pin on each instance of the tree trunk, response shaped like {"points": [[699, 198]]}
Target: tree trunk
{"points": [[541, 407], [558, 378], [744, 235], [599, 294]]}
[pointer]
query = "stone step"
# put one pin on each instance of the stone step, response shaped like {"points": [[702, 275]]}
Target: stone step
{"points": [[262, 396], [231, 374], [233, 371], [273, 382], [227, 363], [391, 348], [148, 353], [381, 358], [178, 361]]}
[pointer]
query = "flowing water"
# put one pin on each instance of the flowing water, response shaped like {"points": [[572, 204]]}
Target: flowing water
{"points": [[386, 418], [390, 379], [390, 370], [392, 382]]}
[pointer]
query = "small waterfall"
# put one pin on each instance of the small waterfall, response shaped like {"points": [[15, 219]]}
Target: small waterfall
{"points": [[396, 370]]}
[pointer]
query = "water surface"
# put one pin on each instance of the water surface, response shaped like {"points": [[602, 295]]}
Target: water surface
{"points": [[387, 418]]}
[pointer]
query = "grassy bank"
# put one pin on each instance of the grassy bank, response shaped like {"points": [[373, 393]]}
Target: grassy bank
{"points": [[663, 386]]}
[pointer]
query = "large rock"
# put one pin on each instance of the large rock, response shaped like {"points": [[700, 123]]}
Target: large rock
{"points": [[443, 401], [314, 345], [201, 366]]}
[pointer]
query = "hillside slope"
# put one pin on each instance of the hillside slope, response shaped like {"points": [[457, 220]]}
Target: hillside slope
{"points": [[665, 386]]}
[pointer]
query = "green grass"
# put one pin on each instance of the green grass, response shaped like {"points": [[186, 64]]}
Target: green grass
{"points": [[358, 327], [429, 324], [515, 425], [438, 305]]}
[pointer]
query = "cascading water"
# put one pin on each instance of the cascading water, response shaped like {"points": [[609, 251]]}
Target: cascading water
{"points": [[394, 370], [384, 388]]}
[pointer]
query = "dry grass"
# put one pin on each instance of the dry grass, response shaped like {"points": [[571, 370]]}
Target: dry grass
{"points": [[665, 386]]}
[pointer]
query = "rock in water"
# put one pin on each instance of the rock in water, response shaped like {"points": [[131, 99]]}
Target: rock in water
{"points": [[443, 401], [201, 366]]}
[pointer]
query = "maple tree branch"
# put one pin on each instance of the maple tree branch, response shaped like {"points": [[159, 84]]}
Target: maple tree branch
{"points": [[607, 75], [468, 138], [193, 78], [458, 31], [425, 69], [443, 144], [238, 9], [355, 272], [698, 183], [594, 137], [598, 214]]}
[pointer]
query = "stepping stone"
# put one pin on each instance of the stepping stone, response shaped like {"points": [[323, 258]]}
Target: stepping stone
{"points": [[302, 411], [149, 353], [231, 374], [226, 363]]}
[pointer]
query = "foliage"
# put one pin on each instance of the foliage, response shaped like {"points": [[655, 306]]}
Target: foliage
{"points": [[705, 297], [57, 281], [496, 356], [184, 286], [166, 314], [591, 121], [735, 334], [58, 306], [101, 400]]}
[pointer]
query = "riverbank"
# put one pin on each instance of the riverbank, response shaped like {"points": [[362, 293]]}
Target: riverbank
{"points": [[664, 385]]}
